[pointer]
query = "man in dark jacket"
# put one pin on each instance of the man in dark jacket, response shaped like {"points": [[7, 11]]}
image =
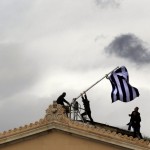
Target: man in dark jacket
{"points": [[61, 100], [135, 122], [86, 104]]}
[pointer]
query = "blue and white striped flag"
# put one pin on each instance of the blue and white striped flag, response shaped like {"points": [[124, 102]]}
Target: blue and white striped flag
{"points": [[121, 89]]}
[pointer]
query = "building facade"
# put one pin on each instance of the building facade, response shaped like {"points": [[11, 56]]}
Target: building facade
{"points": [[58, 132]]}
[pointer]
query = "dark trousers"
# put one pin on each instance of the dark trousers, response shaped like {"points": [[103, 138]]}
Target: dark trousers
{"points": [[136, 130], [89, 115]]}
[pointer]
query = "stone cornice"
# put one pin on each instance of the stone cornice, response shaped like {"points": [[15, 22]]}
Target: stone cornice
{"points": [[56, 118]]}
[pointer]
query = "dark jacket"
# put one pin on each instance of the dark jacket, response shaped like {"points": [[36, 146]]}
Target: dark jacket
{"points": [[135, 118], [86, 103], [61, 100]]}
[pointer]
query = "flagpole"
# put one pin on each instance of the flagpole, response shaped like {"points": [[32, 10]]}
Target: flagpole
{"points": [[94, 84]]}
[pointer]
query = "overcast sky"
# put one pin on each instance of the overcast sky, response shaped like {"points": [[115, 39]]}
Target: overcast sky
{"points": [[51, 46]]}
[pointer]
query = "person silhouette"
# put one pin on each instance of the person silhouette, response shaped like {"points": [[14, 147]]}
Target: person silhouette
{"points": [[87, 111], [135, 122], [61, 100]]}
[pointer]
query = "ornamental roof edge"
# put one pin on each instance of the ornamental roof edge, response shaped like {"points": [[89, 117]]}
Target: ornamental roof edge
{"points": [[56, 118]]}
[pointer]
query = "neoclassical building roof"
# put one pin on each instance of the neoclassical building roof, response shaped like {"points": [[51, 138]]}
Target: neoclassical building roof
{"points": [[56, 118]]}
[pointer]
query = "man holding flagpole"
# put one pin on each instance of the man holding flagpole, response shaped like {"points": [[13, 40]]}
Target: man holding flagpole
{"points": [[86, 104]]}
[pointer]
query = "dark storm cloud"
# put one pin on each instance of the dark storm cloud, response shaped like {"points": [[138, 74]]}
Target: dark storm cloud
{"points": [[17, 71], [108, 3], [130, 47]]}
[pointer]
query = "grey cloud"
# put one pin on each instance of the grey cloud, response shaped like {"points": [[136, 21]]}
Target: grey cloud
{"points": [[34, 22], [17, 12], [130, 47], [18, 71], [99, 37], [20, 110], [108, 3]]}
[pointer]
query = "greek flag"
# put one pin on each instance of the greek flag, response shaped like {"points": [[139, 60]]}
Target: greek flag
{"points": [[121, 89]]}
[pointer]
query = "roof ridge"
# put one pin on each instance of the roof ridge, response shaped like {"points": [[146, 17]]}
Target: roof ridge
{"points": [[55, 114]]}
